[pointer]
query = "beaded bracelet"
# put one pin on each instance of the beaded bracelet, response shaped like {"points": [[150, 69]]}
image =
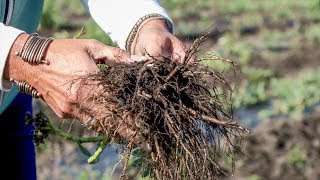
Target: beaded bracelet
{"points": [[140, 23]]}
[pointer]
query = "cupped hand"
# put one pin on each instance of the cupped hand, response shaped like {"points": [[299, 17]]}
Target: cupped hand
{"points": [[70, 59], [155, 39]]}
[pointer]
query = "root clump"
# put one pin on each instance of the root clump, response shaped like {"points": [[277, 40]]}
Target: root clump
{"points": [[179, 115]]}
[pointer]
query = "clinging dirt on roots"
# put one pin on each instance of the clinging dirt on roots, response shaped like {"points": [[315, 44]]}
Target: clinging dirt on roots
{"points": [[180, 115]]}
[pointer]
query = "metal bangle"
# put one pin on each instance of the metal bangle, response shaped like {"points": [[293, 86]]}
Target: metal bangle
{"points": [[26, 88], [34, 48], [43, 50], [25, 52]]}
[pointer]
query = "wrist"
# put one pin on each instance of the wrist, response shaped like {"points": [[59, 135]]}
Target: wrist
{"points": [[147, 21], [155, 23], [26, 51], [15, 67]]}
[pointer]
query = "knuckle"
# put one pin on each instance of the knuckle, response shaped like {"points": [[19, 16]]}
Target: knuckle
{"points": [[95, 42], [60, 115], [120, 53], [162, 39], [72, 99], [66, 108]]}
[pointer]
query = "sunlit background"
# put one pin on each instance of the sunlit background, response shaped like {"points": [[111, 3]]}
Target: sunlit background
{"points": [[276, 45]]}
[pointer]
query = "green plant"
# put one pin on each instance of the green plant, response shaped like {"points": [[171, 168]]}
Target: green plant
{"points": [[257, 74], [243, 51], [254, 90], [93, 31], [313, 34], [254, 177], [293, 98], [51, 17], [250, 94], [298, 157], [220, 64]]}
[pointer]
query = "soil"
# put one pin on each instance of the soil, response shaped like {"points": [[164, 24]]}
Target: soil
{"points": [[307, 57], [282, 149]]}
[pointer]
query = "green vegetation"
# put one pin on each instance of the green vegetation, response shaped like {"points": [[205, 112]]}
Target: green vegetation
{"points": [[298, 157], [313, 33], [254, 177], [51, 18], [289, 96], [293, 98]]}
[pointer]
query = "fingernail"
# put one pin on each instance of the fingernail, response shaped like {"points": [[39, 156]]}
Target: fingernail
{"points": [[137, 58]]}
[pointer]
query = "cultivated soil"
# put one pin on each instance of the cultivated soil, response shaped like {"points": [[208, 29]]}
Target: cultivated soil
{"points": [[282, 149]]}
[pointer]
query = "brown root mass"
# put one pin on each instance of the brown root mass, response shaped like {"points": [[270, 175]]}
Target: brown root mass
{"points": [[182, 115]]}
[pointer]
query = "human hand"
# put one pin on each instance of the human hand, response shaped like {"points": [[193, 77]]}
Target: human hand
{"points": [[70, 59], [155, 39]]}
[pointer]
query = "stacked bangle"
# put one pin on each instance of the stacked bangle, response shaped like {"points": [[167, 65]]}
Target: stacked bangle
{"points": [[140, 23], [26, 88], [33, 51]]}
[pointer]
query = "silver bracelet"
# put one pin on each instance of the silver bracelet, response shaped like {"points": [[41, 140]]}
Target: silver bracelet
{"points": [[140, 22], [26, 88], [33, 51]]}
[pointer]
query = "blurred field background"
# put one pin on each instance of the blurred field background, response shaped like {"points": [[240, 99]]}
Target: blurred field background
{"points": [[276, 45]]}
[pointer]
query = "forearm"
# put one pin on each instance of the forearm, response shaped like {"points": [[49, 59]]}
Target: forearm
{"points": [[8, 36], [14, 66]]}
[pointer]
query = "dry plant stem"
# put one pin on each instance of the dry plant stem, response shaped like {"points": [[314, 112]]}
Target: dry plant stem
{"points": [[214, 120], [81, 33], [126, 161]]}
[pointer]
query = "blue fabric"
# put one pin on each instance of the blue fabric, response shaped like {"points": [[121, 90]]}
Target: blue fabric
{"points": [[25, 16], [17, 150], [2, 9]]}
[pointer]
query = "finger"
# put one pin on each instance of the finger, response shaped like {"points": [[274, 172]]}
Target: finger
{"points": [[101, 113], [56, 108], [179, 50], [111, 55], [173, 48], [99, 117], [93, 120]]}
